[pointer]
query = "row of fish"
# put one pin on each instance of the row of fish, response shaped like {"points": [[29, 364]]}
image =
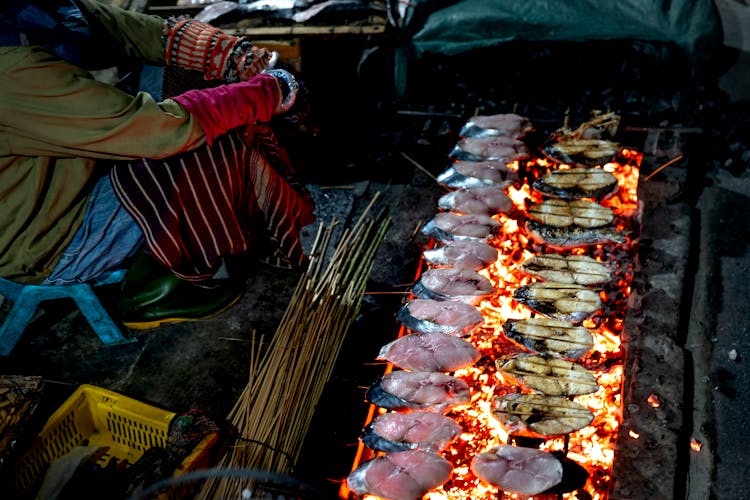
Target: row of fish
{"points": [[442, 316]]}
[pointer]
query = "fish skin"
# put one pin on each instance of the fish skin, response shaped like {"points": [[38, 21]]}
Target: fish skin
{"points": [[537, 415], [487, 173], [474, 319], [440, 429], [482, 286], [575, 183], [462, 254], [574, 237], [463, 223], [562, 301], [550, 336], [442, 391], [548, 375]]}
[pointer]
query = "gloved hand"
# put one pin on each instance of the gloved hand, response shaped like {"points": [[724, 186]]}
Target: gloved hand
{"points": [[191, 44]]}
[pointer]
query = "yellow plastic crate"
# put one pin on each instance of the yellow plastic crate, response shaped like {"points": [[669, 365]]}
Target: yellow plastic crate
{"points": [[98, 417]]}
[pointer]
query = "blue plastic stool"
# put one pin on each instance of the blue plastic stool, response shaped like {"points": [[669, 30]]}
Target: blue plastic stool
{"points": [[26, 299]]}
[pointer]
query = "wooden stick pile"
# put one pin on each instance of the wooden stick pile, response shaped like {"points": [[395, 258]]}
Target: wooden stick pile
{"points": [[274, 411]]}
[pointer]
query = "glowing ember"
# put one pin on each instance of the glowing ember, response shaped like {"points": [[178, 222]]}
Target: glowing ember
{"points": [[634, 434], [695, 445], [654, 401], [593, 446]]}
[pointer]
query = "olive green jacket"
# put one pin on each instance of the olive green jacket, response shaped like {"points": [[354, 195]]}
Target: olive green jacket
{"points": [[56, 123]]}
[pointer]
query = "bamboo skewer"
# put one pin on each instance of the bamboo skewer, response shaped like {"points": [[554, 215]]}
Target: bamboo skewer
{"points": [[274, 411]]}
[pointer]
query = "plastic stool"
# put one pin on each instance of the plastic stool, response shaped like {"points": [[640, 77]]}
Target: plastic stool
{"points": [[26, 299]]}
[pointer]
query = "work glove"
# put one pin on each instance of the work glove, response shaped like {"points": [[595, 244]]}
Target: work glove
{"points": [[191, 44]]}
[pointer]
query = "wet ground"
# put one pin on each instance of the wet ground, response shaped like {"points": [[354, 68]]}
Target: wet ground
{"points": [[689, 295]]}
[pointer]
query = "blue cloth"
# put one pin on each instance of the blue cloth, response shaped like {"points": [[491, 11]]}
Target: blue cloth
{"points": [[105, 240]]}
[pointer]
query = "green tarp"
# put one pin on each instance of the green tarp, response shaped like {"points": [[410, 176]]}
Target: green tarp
{"points": [[451, 27]]}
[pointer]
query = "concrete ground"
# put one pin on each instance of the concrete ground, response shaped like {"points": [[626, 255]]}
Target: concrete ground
{"points": [[692, 289]]}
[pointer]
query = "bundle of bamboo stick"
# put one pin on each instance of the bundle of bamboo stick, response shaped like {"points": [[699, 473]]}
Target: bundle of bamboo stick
{"points": [[274, 411]]}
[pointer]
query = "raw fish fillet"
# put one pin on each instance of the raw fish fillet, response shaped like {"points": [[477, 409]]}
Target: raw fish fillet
{"points": [[450, 283], [485, 200], [469, 174], [430, 352], [453, 318], [402, 475], [418, 430], [432, 391], [496, 147], [509, 124], [447, 226], [526, 471], [462, 254]]}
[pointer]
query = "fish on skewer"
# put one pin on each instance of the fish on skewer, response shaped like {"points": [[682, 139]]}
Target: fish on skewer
{"points": [[416, 430], [429, 352], [509, 124], [470, 174], [496, 147], [448, 226], [548, 375], [541, 416], [586, 152], [439, 316], [576, 183], [578, 269], [450, 283], [562, 301], [565, 238], [483, 200], [550, 336], [432, 391], [565, 213], [515, 469], [462, 254], [401, 475]]}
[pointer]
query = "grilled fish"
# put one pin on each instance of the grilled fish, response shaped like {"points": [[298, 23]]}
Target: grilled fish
{"points": [[589, 152], [437, 316], [550, 336], [450, 283], [462, 254], [567, 213], [536, 415], [484, 200], [577, 183], [548, 375], [578, 269], [515, 469], [469, 174], [565, 238], [447, 226], [509, 124], [559, 300]]}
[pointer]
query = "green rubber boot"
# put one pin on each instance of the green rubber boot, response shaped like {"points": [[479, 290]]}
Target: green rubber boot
{"points": [[152, 296]]}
